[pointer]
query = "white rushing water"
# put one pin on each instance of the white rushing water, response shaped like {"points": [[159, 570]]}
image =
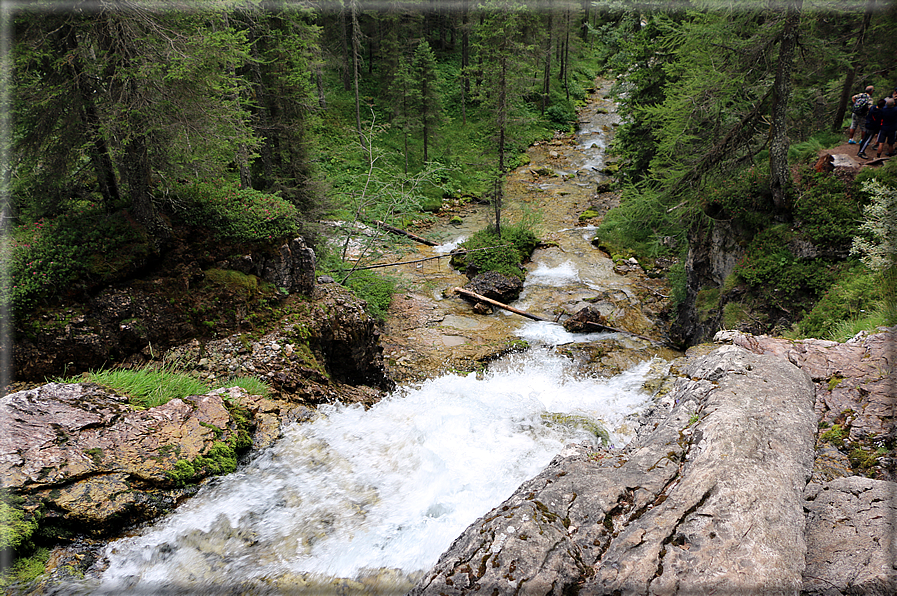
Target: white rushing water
{"points": [[391, 487]]}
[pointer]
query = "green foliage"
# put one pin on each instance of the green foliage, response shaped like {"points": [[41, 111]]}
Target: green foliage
{"points": [[777, 277], [643, 221], [826, 211], [505, 254], [808, 151], [26, 569], [242, 214], [252, 385], [148, 387], [236, 281], [376, 289], [16, 528], [835, 435], [877, 240], [743, 196], [857, 294], [51, 256]]}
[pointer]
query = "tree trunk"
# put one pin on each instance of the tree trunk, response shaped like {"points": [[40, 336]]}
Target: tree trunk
{"points": [[851, 74], [778, 149], [546, 78], [356, 34], [137, 176]]}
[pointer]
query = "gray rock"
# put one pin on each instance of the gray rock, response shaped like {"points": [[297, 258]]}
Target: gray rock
{"points": [[851, 537], [710, 501]]}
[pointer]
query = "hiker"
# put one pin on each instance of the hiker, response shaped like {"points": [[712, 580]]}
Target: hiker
{"points": [[861, 103], [873, 126], [888, 127]]}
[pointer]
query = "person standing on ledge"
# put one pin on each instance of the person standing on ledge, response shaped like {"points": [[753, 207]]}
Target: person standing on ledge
{"points": [[861, 102], [888, 127]]}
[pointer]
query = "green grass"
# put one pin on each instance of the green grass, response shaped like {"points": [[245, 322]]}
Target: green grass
{"points": [[150, 387]]}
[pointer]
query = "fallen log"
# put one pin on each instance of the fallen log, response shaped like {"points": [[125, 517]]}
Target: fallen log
{"points": [[414, 237], [538, 318], [482, 298]]}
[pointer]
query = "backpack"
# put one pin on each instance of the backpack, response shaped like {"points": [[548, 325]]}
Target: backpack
{"points": [[861, 107]]}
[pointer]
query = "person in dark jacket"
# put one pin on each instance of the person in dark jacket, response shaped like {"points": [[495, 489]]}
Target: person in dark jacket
{"points": [[888, 127], [873, 126]]}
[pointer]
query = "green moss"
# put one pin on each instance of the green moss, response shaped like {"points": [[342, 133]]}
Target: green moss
{"points": [[707, 302], [96, 454], [835, 435], [25, 570], [16, 526], [834, 382], [588, 214], [578, 422], [735, 314]]}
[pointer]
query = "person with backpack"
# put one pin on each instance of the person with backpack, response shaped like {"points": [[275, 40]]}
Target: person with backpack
{"points": [[886, 135], [861, 103], [873, 126]]}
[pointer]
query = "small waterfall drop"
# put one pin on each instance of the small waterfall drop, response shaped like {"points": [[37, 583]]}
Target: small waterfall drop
{"points": [[355, 493]]}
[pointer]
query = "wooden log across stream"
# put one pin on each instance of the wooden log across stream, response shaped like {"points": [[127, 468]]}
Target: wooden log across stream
{"points": [[523, 313], [414, 237]]}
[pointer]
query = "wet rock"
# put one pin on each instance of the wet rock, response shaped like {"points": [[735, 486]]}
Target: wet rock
{"points": [[291, 267], [851, 537], [589, 319], [676, 511], [496, 286], [92, 461]]}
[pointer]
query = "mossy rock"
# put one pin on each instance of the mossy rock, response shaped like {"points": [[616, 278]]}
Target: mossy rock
{"points": [[456, 220], [576, 421], [589, 214], [611, 169]]}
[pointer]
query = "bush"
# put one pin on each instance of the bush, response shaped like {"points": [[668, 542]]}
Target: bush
{"points": [[241, 214], [504, 255], [857, 293], [52, 256], [374, 288], [827, 212]]}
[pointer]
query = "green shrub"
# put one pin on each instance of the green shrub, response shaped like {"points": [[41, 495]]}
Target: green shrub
{"points": [[857, 292], [50, 257], [374, 288], [488, 252], [241, 214], [827, 212], [777, 277], [743, 195]]}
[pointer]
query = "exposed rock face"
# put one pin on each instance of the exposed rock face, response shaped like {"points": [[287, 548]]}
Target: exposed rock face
{"points": [[708, 500], [151, 315], [291, 268], [496, 286], [856, 386], [851, 537], [93, 461]]}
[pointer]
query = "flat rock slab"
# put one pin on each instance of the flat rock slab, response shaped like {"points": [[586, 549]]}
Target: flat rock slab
{"points": [[851, 537], [87, 455], [709, 501]]}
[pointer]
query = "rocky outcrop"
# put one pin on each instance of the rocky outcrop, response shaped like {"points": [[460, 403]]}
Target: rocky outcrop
{"points": [[708, 498], [851, 537], [856, 392], [83, 459], [174, 304], [291, 268]]}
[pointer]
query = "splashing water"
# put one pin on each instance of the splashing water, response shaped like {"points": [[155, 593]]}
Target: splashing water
{"points": [[387, 488]]}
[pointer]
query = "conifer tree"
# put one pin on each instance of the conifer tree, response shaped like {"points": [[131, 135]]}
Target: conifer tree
{"points": [[426, 97]]}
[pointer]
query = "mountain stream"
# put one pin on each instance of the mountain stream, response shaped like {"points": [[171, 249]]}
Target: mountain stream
{"points": [[362, 501]]}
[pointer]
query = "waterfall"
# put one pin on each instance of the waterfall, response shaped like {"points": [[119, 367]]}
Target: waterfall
{"points": [[355, 493]]}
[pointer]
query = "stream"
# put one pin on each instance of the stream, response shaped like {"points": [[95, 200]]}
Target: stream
{"points": [[364, 501]]}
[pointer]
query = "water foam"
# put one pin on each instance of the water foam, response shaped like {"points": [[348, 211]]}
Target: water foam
{"points": [[389, 487]]}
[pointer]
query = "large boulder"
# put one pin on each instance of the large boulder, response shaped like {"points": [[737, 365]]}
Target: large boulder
{"points": [[851, 537], [80, 457], [493, 285], [707, 500]]}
